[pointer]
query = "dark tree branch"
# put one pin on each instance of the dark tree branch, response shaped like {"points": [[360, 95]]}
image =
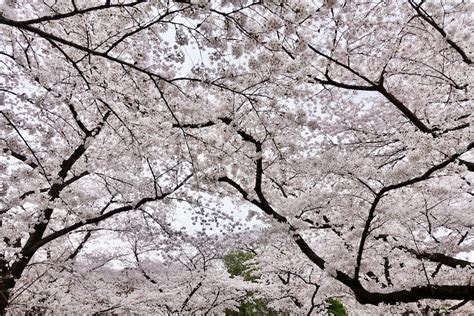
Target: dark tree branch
{"points": [[438, 257], [82, 48], [427, 18], [387, 189], [35, 238], [459, 305], [468, 164], [190, 295], [414, 294], [373, 86], [66, 183], [21, 157], [386, 266], [41, 242], [146, 275], [75, 12]]}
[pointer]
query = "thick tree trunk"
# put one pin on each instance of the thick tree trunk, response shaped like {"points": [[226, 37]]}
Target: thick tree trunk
{"points": [[7, 282], [9, 274]]}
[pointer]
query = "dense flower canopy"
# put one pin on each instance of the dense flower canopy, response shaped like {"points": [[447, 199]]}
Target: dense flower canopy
{"points": [[343, 129]]}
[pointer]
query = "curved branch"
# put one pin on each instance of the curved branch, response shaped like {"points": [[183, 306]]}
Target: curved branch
{"points": [[75, 12], [382, 192], [427, 18]]}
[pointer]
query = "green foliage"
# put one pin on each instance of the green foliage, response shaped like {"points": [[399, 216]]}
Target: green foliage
{"points": [[236, 264], [256, 307], [335, 307]]}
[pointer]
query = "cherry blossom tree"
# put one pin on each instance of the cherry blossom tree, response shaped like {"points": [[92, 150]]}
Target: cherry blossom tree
{"points": [[356, 137], [75, 155], [346, 127], [189, 278]]}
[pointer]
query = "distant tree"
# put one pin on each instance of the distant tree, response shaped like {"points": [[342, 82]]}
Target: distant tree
{"points": [[335, 307], [237, 264]]}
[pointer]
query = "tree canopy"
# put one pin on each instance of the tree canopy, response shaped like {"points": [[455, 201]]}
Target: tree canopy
{"points": [[342, 130]]}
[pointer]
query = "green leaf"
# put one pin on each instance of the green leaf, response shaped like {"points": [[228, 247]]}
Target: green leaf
{"points": [[335, 307]]}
